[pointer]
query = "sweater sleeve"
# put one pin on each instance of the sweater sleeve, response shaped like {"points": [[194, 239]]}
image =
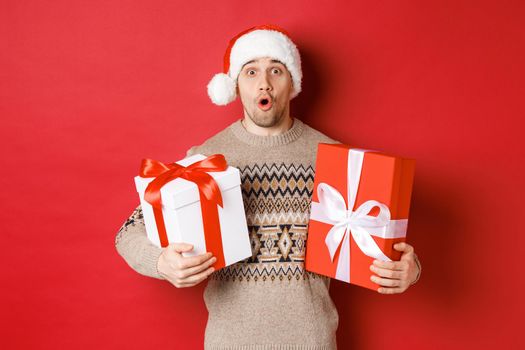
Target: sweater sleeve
{"points": [[134, 246], [191, 151]]}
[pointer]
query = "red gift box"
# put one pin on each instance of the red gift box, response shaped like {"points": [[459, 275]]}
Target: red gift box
{"points": [[343, 243]]}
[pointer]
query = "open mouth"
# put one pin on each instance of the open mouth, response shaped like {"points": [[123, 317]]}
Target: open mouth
{"points": [[265, 103]]}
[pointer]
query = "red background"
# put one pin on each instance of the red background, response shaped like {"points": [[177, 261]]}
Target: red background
{"points": [[88, 88]]}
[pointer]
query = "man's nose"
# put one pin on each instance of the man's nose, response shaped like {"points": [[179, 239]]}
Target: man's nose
{"points": [[264, 83]]}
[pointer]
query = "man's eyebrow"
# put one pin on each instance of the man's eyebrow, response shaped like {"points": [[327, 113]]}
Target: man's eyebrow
{"points": [[273, 61]]}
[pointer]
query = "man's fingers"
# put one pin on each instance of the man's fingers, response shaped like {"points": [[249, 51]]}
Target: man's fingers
{"points": [[201, 267], [403, 247], [180, 247], [187, 262], [392, 265], [387, 272], [395, 290], [199, 277], [385, 282]]}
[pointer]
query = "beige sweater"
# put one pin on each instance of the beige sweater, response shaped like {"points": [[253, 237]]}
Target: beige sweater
{"points": [[267, 301]]}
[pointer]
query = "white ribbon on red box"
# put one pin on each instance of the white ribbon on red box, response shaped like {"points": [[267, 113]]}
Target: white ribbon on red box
{"points": [[331, 209]]}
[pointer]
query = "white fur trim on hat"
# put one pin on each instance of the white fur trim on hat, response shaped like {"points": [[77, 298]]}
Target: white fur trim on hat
{"points": [[252, 45]]}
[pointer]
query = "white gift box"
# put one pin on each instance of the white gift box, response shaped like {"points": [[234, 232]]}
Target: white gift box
{"points": [[182, 214]]}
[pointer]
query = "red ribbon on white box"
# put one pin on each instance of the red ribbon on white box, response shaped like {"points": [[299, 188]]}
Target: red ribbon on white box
{"points": [[332, 209]]}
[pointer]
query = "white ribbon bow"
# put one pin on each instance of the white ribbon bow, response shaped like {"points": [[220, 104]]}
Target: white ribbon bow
{"points": [[332, 209]]}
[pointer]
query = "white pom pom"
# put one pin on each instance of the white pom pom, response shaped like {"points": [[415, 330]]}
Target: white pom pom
{"points": [[221, 89]]}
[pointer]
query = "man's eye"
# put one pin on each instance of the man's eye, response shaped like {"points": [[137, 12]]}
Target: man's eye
{"points": [[276, 70], [251, 72]]}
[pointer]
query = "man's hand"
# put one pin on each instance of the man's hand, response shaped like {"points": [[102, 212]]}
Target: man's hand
{"points": [[183, 271], [397, 275]]}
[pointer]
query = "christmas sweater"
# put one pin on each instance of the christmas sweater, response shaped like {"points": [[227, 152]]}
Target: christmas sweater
{"points": [[269, 300]]}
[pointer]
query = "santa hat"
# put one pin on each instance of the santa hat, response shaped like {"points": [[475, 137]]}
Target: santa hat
{"points": [[253, 43]]}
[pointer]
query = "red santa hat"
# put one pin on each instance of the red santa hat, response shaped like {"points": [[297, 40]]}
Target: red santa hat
{"points": [[260, 41]]}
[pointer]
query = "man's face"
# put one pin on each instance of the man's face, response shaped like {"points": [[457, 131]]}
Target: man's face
{"points": [[264, 86]]}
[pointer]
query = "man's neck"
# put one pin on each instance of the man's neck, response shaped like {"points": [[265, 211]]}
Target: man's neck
{"points": [[281, 128]]}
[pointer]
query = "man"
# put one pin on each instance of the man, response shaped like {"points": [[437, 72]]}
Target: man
{"points": [[267, 301]]}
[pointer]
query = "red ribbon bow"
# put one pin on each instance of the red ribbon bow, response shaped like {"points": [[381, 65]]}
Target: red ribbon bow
{"points": [[209, 193]]}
